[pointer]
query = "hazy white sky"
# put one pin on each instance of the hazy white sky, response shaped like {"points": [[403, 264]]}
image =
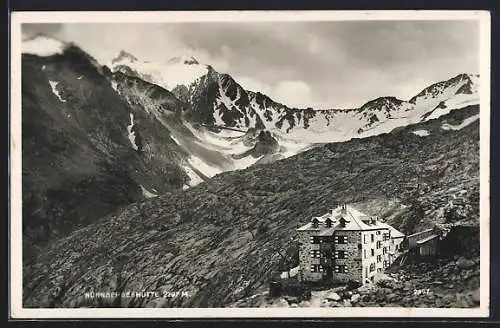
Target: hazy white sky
{"points": [[303, 64]]}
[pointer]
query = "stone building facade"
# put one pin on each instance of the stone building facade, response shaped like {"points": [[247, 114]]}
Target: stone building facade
{"points": [[346, 245]]}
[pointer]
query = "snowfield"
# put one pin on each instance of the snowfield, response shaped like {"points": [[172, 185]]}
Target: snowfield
{"points": [[462, 125], [167, 75]]}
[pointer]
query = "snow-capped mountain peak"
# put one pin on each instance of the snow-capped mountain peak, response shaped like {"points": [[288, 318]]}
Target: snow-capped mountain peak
{"points": [[43, 45], [181, 70], [124, 56], [462, 83]]}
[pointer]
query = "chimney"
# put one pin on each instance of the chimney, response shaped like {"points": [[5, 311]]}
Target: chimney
{"points": [[343, 210]]}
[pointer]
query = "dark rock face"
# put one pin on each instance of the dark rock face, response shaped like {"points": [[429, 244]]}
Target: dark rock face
{"points": [[151, 96], [181, 92], [203, 96], [220, 247], [266, 144], [460, 241], [78, 163]]}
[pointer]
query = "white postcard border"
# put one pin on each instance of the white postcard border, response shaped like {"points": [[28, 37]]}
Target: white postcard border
{"points": [[15, 225]]}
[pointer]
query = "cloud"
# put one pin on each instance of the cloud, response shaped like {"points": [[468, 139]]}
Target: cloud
{"points": [[29, 30], [293, 93], [249, 83], [328, 64]]}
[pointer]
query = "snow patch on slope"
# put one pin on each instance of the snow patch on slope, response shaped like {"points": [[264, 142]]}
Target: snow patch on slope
{"points": [[421, 133], [131, 133], [245, 162], [462, 125], [53, 86], [203, 167], [194, 178], [147, 193]]}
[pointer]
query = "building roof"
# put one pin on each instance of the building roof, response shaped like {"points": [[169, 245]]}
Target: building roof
{"points": [[345, 217], [394, 232], [425, 240]]}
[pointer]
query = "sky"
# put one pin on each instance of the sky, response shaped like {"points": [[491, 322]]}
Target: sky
{"points": [[301, 64]]}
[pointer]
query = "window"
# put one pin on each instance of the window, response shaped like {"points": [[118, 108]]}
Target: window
{"points": [[379, 244], [341, 269], [379, 258], [386, 236], [341, 239], [384, 250], [373, 252], [372, 267], [359, 246], [386, 264], [315, 239], [316, 268], [397, 247], [379, 270], [340, 254], [373, 238], [315, 253], [364, 239], [364, 253], [378, 232], [328, 223]]}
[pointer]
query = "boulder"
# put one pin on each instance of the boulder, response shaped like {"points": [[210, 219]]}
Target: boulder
{"points": [[439, 303], [355, 298], [464, 263], [280, 303], [367, 289], [347, 303], [393, 297], [291, 299], [448, 299], [333, 296]]}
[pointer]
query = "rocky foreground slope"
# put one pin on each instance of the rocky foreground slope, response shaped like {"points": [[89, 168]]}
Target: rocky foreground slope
{"points": [[217, 242], [445, 284]]}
